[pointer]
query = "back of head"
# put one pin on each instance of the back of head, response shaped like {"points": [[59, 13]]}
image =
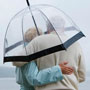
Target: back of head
{"points": [[31, 34], [56, 23]]}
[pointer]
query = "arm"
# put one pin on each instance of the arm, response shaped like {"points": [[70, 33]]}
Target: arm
{"points": [[81, 67], [42, 77], [20, 64]]}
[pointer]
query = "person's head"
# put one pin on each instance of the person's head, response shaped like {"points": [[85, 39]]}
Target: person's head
{"points": [[55, 23], [31, 34]]}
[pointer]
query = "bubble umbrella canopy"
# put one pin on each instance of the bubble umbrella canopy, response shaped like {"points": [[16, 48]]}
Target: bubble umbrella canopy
{"points": [[47, 18]]}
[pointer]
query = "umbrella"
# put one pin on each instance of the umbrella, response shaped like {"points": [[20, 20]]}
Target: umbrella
{"points": [[44, 17]]}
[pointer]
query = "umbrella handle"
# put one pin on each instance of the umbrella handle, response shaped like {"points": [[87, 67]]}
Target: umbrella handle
{"points": [[28, 2]]}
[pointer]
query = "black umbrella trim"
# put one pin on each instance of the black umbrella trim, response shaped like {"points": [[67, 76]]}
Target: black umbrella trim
{"points": [[73, 39], [44, 52]]}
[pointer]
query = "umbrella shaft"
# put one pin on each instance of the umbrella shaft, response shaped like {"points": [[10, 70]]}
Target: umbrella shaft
{"points": [[28, 3], [32, 16]]}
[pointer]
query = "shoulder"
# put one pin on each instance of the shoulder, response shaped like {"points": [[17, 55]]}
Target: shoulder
{"points": [[43, 38]]}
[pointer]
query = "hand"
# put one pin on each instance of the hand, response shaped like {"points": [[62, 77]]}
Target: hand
{"points": [[66, 69]]}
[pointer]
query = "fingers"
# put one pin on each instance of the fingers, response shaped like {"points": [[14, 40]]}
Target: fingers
{"points": [[64, 63], [66, 69]]}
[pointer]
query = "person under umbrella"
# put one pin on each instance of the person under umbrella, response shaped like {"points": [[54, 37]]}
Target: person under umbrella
{"points": [[36, 77], [73, 55]]}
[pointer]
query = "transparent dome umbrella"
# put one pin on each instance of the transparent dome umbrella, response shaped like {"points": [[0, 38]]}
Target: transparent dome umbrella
{"points": [[42, 19]]}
